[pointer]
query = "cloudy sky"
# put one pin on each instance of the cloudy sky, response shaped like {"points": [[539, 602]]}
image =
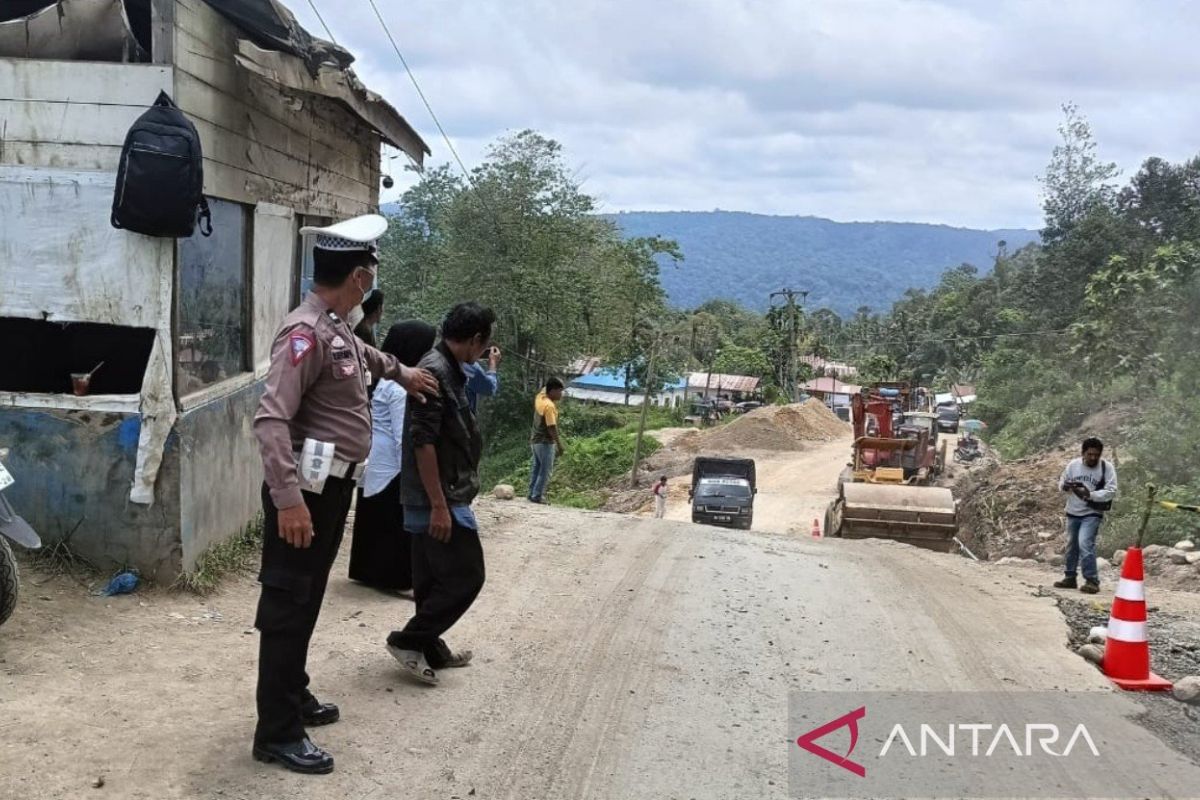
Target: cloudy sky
{"points": [[913, 110]]}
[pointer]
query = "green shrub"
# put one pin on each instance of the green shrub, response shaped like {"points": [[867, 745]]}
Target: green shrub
{"points": [[599, 441]]}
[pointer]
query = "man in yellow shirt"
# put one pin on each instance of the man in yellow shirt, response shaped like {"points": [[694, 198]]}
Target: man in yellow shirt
{"points": [[544, 440]]}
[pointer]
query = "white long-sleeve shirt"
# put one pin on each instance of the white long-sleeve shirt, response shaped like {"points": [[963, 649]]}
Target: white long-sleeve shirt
{"points": [[387, 436], [1090, 477]]}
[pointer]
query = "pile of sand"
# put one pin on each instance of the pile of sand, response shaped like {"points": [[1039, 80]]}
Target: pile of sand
{"points": [[776, 428]]}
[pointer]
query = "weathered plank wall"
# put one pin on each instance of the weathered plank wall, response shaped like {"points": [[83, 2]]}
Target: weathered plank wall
{"points": [[262, 143], [72, 114], [61, 260], [276, 239]]}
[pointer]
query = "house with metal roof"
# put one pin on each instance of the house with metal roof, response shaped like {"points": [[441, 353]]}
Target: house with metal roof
{"points": [[607, 386], [718, 386], [831, 391]]}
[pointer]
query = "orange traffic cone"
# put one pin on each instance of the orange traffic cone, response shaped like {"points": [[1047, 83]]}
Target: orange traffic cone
{"points": [[816, 530], [1127, 648]]}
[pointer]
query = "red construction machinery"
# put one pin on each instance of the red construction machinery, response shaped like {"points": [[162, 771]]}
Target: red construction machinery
{"points": [[884, 492]]}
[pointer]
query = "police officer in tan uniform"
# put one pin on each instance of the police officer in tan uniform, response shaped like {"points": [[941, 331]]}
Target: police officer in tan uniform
{"points": [[314, 431]]}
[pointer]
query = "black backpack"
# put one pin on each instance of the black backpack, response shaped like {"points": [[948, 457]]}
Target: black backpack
{"points": [[160, 180], [1101, 505]]}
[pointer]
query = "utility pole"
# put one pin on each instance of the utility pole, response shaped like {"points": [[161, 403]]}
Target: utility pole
{"points": [[637, 445], [792, 344]]}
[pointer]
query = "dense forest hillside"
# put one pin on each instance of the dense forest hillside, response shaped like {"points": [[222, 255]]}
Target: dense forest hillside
{"points": [[845, 265]]}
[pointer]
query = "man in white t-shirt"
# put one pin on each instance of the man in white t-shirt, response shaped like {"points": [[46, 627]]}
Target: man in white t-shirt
{"points": [[1090, 483]]}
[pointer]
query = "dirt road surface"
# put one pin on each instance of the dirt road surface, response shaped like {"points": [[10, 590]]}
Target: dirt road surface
{"points": [[793, 488], [616, 657]]}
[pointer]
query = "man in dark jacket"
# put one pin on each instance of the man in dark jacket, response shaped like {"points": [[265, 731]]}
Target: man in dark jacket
{"points": [[439, 478]]}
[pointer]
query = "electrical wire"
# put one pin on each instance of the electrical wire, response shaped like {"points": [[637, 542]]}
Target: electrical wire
{"points": [[420, 92], [321, 19]]}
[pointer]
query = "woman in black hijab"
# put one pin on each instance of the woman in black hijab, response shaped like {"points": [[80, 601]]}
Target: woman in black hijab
{"points": [[380, 549]]}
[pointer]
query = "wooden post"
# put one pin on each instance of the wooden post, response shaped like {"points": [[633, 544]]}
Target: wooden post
{"points": [[162, 31], [637, 445], [1151, 491]]}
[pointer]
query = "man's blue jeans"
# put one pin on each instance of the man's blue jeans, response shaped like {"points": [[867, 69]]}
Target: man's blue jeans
{"points": [[1081, 544], [539, 473]]}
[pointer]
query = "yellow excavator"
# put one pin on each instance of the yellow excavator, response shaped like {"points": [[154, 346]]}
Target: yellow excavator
{"points": [[884, 493]]}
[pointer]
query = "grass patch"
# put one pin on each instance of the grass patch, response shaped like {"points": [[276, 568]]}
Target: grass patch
{"points": [[234, 556], [599, 441]]}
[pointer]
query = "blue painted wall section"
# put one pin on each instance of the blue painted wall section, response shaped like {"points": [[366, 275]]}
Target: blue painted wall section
{"points": [[73, 471]]}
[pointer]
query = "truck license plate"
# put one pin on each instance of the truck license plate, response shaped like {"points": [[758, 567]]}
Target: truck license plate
{"points": [[722, 518], [6, 478]]}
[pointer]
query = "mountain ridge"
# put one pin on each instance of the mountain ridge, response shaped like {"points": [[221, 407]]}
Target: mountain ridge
{"points": [[744, 256]]}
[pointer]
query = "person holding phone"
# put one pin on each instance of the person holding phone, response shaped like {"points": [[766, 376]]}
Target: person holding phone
{"points": [[1090, 483], [483, 379]]}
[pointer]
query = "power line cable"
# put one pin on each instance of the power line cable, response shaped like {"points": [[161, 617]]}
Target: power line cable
{"points": [[420, 92], [312, 4]]}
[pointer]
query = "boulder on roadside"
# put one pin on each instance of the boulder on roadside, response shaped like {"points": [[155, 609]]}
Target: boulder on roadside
{"points": [[1187, 690], [1058, 561], [1177, 557], [1098, 635], [504, 491], [1193, 558], [1092, 652], [1153, 550], [1103, 563], [1118, 558], [1044, 535], [1187, 545]]}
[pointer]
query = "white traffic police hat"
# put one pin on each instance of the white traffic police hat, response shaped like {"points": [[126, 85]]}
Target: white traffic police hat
{"points": [[358, 233]]}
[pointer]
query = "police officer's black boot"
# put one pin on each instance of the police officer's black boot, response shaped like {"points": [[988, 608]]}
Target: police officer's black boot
{"points": [[317, 713], [302, 756]]}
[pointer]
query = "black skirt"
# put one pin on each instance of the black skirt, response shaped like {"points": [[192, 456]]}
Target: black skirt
{"points": [[380, 548]]}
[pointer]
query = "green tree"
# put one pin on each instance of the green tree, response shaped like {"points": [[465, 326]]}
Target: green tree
{"points": [[735, 359], [1076, 180]]}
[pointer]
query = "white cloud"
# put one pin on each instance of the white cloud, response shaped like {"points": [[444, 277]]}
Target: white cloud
{"points": [[852, 109]]}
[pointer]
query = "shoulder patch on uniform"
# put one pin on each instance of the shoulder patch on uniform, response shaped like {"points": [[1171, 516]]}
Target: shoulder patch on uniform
{"points": [[300, 342]]}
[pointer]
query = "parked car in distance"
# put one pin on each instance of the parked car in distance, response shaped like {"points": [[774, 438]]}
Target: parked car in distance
{"points": [[747, 406], [947, 418]]}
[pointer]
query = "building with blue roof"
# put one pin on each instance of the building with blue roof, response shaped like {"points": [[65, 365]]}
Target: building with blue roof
{"points": [[607, 385]]}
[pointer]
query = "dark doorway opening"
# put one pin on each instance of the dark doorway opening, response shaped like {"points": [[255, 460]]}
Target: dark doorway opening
{"points": [[40, 357]]}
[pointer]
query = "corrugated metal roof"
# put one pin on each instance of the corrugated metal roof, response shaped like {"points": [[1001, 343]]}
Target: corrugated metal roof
{"points": [[718, 382], [583, 366], [613, 378], [831, 386]]}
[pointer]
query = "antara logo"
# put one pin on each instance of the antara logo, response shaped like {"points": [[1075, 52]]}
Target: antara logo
{"points": [[809, 741], [1037, 738]]}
